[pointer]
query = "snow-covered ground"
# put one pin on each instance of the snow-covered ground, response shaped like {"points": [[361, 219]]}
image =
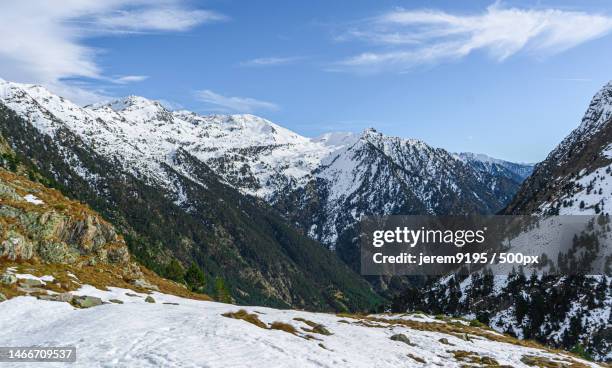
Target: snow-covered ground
{"points": [[194, 333]]}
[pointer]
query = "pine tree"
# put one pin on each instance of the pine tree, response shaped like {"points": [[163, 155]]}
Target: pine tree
{"points": [[221, 291], [194, 277], [175, 271]]}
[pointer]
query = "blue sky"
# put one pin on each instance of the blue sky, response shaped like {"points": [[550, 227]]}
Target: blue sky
{"points": [[509, 79]]}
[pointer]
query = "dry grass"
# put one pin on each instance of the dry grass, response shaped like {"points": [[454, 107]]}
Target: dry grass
{"points": [[543, 362], [254, 319], [460, 330], [282, 326], [473, 358], [51, 198], [309, 323], [416, 358], [246, 316], [101, 276], [314, 327]]}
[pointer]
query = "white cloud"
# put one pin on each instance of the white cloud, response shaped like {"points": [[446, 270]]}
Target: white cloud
{"points": [[407, 38], [271, 61], [222, 103], [156, 19], [130, 79], [42, 41]]}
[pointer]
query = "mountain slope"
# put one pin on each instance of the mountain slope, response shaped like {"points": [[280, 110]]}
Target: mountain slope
{"points": [[175, 207], [43, 232], [572, 312], [518, 172], [575, 177], [180, 332], [68, 276], [380, 175], [322, 186]]}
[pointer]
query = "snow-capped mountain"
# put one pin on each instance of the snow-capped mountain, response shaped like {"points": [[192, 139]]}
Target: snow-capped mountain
{"points": [[200, 189], [382, 175], [136, 163], [576, 176], [351, 175], [496, 167], [66, 276], [573, 312], [252, 154]]}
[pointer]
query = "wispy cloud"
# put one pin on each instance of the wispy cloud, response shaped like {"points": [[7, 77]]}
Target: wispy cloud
{"points": [[403, 38], [271, 61], [129, 79], [43, 42], [156, 19], [217, 102]]}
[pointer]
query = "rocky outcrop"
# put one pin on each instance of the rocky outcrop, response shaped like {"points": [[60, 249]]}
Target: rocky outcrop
{"points": [[39, 224]]}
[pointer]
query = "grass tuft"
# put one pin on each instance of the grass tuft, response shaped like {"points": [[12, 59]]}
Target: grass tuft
{"points": [[315, 327], [282, 326], [246, 316]]}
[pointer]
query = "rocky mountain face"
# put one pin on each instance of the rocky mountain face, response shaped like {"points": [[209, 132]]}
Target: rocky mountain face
{"points": [[323, 185], [517, 172], [171, 206], [572, 312], [575, 178], [43, 231], [39, 224], [377, 175]]}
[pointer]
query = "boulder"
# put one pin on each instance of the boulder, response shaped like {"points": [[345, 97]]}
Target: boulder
{"points": [[86, 301], [2, 298], [144, 284], [149, 299], [63, 297], [401, 338], [30, 290], [16, 246], [8, 279], [30, 283]]}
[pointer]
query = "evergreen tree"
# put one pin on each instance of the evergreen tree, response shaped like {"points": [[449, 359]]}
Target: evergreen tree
{"points": [[174, 271], [221, 291], [194, 277]]}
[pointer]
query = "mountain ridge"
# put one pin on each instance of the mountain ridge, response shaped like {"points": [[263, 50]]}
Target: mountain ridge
{"points": [[244, 248], [322, 186], [569, 311]]}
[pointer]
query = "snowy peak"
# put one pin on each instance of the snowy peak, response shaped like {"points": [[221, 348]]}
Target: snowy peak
{"points": [[596, 118], [599, 110], [336, 139], [252, 154], [131, 103], [575, 177], [495, 166], [134, 108]]}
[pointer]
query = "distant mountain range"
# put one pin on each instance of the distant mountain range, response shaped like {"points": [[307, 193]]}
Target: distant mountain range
{"points": [[323, 185]]}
